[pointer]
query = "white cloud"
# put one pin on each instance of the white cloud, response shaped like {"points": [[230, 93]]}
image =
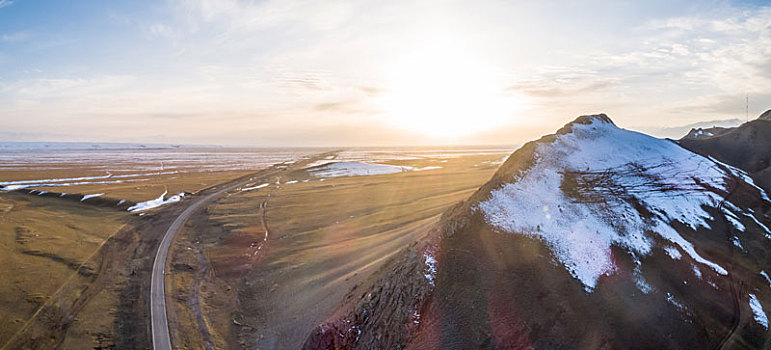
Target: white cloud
{"points": [[4, 3], [164, 31], [14, 37], [678, 70]]}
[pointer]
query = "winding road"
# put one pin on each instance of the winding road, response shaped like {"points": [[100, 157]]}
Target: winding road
{"points": [[158, 318]]}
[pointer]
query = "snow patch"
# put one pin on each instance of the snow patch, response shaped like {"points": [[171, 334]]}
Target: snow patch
{"points": [[696, 271], [429, 271], [673, 253], [91, 196], [28, 182], [766, 276], [734, 220], [764, 227], [641, 283], [154, 203], [66, 184], [738, 243], [671, 299], [255, 187], [357, 169], [757, 310], [744, 176], [427, 168]]}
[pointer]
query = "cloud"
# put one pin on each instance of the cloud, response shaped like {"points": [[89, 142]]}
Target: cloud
{"points": [[668, 70], [14, 37], [560, 82], [248, 15], [730, 51], [48, 88], [347, 107], [164, 31], [372, 90], [4, 3]]}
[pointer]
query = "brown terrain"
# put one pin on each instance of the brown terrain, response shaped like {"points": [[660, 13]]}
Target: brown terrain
{"points": [[501, 290], [266, 266], [260, 267], [747, 147]]}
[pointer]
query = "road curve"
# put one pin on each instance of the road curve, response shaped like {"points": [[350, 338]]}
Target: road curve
{"points": [[158, 318]]}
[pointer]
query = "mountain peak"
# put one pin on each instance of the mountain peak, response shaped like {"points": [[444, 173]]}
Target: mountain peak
{"points": [[766, 115], [585, 120]]}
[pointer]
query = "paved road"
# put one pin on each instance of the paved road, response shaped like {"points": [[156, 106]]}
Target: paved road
{"points": [[158, 318]]}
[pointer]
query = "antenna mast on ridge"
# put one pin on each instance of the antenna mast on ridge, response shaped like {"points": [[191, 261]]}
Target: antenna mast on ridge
{"points": [[747, 108]]}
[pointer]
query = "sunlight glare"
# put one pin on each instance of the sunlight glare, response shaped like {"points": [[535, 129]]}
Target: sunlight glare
{"points": [[442, 90]]}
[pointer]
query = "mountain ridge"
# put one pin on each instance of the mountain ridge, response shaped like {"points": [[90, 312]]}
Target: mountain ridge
{"points": [[747, 147]]}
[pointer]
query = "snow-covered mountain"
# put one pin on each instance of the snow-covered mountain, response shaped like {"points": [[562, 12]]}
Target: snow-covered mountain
{"points": [[596, 186], [593, 237]]}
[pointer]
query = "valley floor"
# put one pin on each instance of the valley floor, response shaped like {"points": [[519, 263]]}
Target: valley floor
{"points": [[265, 266], [260, 267]]}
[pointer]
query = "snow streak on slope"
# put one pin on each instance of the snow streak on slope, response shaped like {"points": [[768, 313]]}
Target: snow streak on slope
{"points": [[154, 203], [254, 187], [599, 186], [91, 196], [757, 311]]}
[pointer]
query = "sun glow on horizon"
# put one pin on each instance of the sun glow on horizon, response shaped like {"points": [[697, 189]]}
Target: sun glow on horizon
{"points": [[443, 90]]}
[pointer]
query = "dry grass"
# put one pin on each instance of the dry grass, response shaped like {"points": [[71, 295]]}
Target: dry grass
{"points": [[325, 238], [44, 245]]}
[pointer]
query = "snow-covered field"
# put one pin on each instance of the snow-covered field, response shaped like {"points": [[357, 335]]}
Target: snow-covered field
{"points": [[150, 160], [47, 168], [362, 169], [388, 155], [356, 169]]}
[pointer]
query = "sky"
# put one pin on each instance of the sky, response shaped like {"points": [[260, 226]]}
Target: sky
{"points": [[372, 73]]}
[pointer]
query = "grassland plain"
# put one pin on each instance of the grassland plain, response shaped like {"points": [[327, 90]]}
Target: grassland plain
{"points": [[79, 271], [74, 270], [50, 252], [265, 266]]}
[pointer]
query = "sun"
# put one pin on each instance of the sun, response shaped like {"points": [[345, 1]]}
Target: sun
{"points": [[443, 90]]}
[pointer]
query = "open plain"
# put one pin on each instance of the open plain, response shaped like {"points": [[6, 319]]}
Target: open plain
{"points": [[261, 265]]}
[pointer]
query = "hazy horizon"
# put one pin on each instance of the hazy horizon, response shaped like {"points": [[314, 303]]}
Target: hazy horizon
{"points": [[340, 74]]}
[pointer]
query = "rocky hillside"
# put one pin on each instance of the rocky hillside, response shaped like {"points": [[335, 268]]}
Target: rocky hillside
{"points": [[594, 237], [704, 133], [747, 147]]}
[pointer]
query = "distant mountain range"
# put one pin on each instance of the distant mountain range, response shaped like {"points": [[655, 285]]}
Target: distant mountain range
{"points": [[676, 132], [75, 146], [594, 237]]}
